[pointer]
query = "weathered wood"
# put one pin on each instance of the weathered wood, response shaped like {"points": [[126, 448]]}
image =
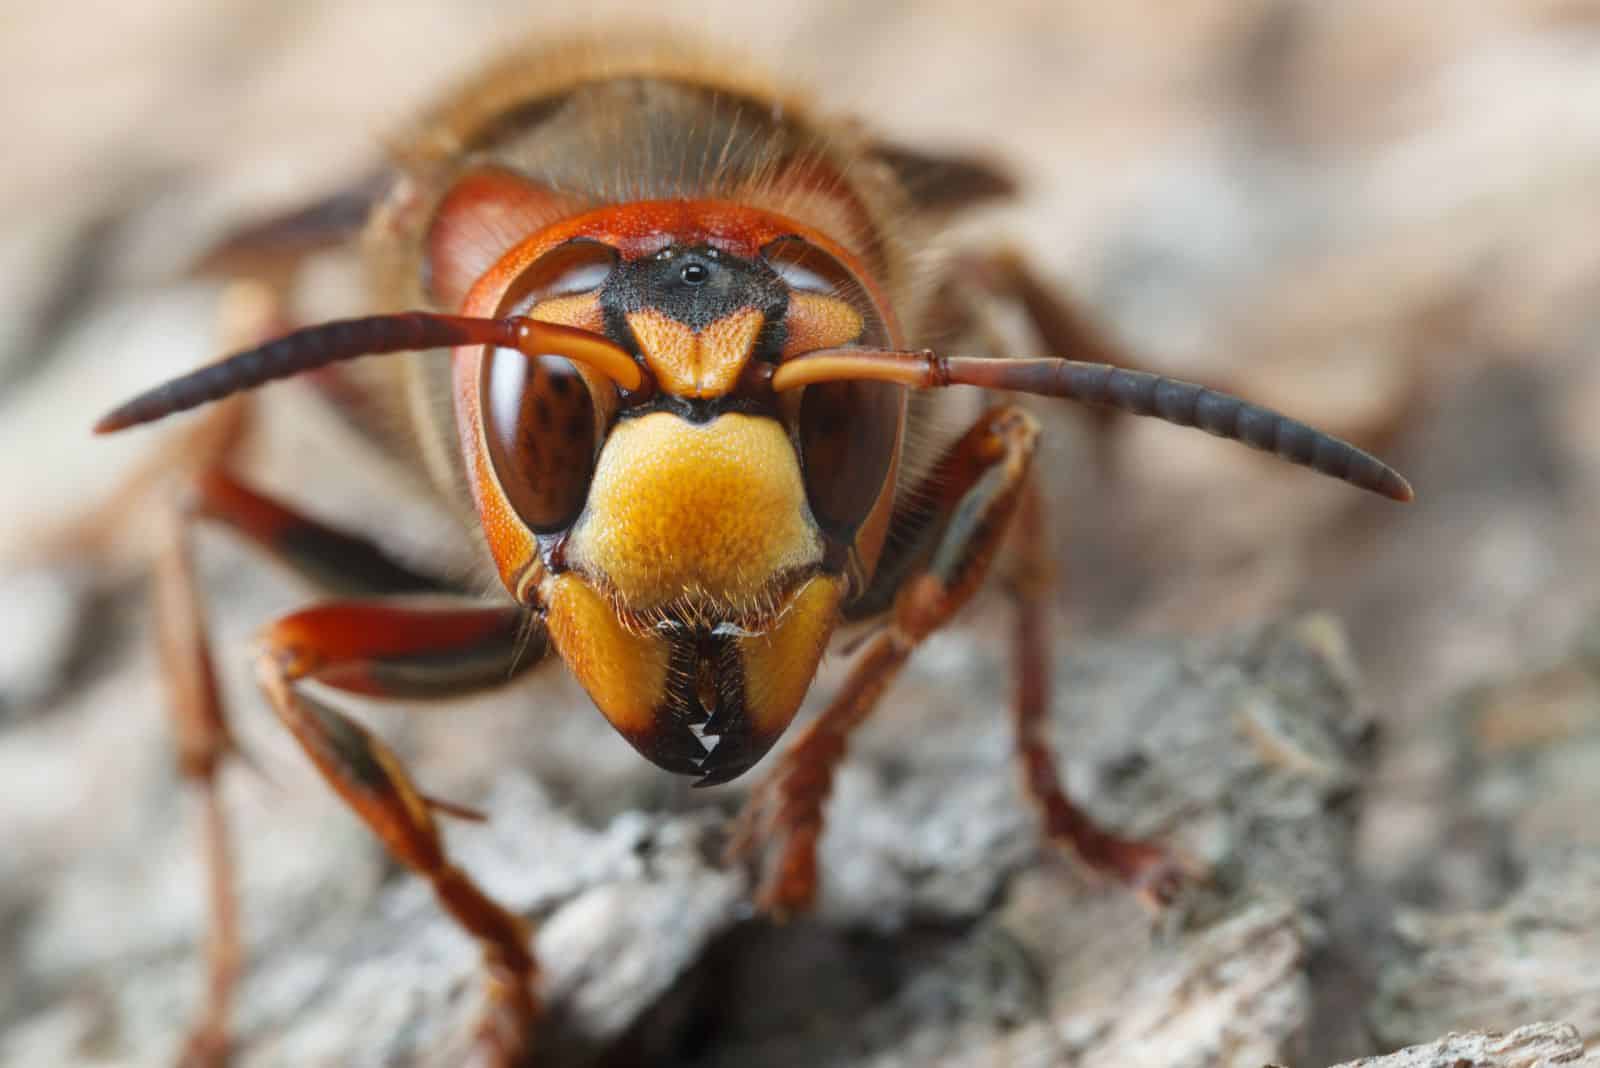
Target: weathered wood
{"points": [[1380, 298], [1540, 1045], [945, 934]]}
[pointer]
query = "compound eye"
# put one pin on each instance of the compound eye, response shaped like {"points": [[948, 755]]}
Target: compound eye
{"points": [[849, 431], [540, 425], [849, 434], [569, 275], [541, 415]]}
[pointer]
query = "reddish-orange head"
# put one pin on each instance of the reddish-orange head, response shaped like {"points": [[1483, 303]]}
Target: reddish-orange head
{"points": [[690, 541]]}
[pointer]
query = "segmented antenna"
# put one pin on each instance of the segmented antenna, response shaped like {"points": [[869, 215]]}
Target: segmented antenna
{"points": [[1221, 414], [1103, 385], [376, 335]]}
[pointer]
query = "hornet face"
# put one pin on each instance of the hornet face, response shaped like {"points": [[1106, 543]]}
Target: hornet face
{"points": [[689, 544]]}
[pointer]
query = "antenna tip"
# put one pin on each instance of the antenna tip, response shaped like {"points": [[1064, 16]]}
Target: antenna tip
{"points": [[1395, 487]]}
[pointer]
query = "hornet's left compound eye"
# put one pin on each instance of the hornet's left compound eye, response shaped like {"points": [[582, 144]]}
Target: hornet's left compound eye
{"points": [[849, 431]]}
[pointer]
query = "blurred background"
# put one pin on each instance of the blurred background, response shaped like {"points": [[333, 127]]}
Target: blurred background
{"points": [[1378, 217]]}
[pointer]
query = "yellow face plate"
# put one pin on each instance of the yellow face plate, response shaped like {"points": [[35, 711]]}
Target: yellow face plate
{"points": [[701, 518]]}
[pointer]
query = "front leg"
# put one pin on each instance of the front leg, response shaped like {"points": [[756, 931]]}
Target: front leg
{"points": [[972, 492], [386, 649], [967, 505]]}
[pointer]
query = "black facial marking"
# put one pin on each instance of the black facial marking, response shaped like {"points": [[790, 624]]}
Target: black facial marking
{"points": [[701, 410], [695, 285]]}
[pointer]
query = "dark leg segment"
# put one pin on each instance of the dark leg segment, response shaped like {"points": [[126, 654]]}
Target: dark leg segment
{"points": [[195, 707], [335, 561], [1065, 330], [357, 646], [420, 650], [194, 702], [276, 247], [1150, 871], [976, 487], [381, 648]]}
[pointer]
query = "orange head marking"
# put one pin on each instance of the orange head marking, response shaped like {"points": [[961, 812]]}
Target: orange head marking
{"points": [[690, 542], [698, 316]]}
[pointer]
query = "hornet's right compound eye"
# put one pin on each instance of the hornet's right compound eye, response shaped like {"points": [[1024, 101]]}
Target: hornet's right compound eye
{"points": [[539, 420], [542, 416]]}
